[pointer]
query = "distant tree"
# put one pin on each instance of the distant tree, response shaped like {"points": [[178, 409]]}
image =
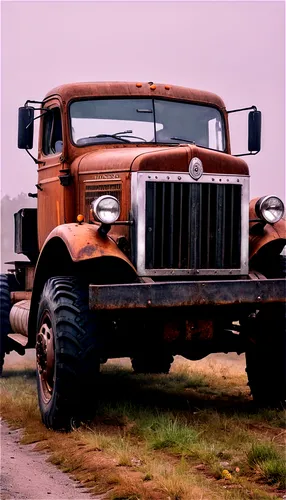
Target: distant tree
{"points": [[9, 206]]}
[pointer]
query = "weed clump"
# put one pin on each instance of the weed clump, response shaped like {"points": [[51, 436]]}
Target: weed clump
{"points": [[274, 472], [261, 453], [267, 461], [164, 432]]}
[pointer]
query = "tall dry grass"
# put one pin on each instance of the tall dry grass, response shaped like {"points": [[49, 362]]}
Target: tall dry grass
{"points": [[184, 436]]}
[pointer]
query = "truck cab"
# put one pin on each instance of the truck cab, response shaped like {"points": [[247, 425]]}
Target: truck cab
{"points": [[144, 243]]}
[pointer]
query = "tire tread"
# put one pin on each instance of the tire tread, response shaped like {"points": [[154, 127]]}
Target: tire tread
{"points": [[76, 357]]}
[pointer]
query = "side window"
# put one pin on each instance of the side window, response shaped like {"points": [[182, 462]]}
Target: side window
{"points": [[52, 132]]}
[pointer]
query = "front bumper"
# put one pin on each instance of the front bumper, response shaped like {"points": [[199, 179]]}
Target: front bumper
{"points": [[165, 295]]}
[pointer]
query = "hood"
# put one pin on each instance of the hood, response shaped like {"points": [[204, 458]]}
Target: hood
{"points": [[158, 158]]}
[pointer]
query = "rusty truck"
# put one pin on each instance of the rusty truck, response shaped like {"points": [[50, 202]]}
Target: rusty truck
{"points": [[144, 243]]}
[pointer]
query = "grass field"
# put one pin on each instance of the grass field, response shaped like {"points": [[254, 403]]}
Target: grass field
{"points": [[190, 435]]}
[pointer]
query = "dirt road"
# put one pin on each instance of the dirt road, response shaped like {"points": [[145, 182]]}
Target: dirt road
{"points": [[26, 475]]}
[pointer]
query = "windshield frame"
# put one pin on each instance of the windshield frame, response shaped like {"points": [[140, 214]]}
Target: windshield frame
{"points": [[146, 143]]}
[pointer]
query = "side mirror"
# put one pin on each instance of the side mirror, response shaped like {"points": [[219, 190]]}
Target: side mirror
{"points": [[254, 131], [25, 127]]}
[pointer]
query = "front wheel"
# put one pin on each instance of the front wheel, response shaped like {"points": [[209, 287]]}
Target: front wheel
{"points": [[67, 358]]}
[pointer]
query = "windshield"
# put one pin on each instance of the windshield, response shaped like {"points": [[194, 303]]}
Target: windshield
{"points": [[146, 120]]}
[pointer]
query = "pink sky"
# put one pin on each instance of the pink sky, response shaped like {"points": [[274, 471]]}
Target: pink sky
{"points": [[235, 49]]}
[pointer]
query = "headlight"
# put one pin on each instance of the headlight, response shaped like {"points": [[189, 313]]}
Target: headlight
{"points": [[106, 209], [269, 208]]}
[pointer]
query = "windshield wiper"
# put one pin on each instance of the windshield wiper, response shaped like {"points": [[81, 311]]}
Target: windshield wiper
{"points": [[114, 136], [136, 137], [124, 132], [118, 136], [131, 136], [181, 139]]}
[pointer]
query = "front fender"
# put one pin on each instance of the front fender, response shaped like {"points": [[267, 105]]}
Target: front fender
{"points": [[84, 242], [66, 247], [271, 233]]}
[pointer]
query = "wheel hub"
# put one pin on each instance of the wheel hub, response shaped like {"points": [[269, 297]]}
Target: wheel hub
{"points": [[46, 355]]}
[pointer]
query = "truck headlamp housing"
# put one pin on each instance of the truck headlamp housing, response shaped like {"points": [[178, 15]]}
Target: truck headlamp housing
{"points": [[106, 209], [270, 209]]}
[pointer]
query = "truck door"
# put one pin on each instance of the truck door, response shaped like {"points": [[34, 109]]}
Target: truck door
{"points": [[50, 191]]}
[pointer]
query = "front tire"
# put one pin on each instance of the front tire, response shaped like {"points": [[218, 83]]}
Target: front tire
{"points": [[67, 357]]}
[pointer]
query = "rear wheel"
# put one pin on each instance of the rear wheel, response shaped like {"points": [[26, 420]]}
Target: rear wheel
{"points": [[266, 352], [5, 306], [266, 358], [67, 357]]}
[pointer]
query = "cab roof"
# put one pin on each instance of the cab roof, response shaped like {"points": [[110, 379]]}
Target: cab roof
{"points": [[71, 91]]}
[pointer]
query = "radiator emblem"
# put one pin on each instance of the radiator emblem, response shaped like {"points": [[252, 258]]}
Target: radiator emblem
{"points": [[196, 168]]}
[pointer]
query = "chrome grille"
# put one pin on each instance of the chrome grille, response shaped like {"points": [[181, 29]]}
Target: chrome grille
{"points": [[193, 225]]}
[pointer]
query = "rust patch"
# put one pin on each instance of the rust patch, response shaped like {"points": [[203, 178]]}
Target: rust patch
{"points": [[88, 250], [121, 89], [171, 331], [199, 328]]}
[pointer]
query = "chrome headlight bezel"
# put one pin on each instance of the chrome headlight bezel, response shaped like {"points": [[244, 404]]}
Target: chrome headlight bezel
{"points": [[262, 206], [114, 212]]}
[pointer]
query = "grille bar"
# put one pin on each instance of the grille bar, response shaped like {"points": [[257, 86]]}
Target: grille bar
{"points": [[192, 225], [180, 225], [219, 227], [231, 220], [171, 219], [163, 225], [208, 225]]}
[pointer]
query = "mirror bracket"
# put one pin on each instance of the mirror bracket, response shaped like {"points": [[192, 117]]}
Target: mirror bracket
{"points": [[33, 102], [254, 108], [38, 162], [248, 154], [39, 116]]}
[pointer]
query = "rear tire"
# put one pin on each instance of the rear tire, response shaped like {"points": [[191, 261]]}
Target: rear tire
{"points": [[5, 306], [266, 352], [67, 357], [266, 358]]}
